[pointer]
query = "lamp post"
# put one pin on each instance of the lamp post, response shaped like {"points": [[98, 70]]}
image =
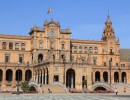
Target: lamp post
{"points": [[110, 72], [18, 80], [64, 69], [28, 71]]}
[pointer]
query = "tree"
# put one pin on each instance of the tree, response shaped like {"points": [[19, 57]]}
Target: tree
{"points": [[25, 86], [84, 82]]}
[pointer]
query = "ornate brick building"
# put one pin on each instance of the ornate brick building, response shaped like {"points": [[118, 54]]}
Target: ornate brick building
{"points": [[49, 55]]}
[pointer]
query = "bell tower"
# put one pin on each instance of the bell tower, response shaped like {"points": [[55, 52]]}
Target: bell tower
{"points": [[108, 32], [111, 46]]}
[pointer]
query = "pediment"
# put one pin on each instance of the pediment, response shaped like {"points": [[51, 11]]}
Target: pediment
{"points": [[52, 24]]}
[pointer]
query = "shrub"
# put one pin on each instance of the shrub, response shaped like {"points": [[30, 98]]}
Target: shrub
{"points": [[25, 86]]}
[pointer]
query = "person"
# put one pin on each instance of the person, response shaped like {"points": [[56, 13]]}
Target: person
{"points": [[116, 90], [125, 89], [49, 91]]}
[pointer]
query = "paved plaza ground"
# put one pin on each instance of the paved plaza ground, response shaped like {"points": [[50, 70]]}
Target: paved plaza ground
{"points": [[64, 97]]}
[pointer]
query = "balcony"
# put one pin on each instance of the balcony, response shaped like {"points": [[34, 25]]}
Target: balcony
{"points": [[8, 83], [111, 53], [13, 64], [75, 51]]}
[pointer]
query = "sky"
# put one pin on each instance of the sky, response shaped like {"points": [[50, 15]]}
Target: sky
{"points": [[85, 18]]}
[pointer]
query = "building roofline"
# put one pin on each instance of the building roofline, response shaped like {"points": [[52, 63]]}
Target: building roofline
{"points": [[15, 37], [86, 41]]}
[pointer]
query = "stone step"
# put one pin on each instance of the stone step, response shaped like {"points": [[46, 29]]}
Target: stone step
{"points": [[121, 89], [53, 88]]}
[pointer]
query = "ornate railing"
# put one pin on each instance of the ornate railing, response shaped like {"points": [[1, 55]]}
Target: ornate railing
{"points": [[13, 64], [8, 82], [103, 84]]}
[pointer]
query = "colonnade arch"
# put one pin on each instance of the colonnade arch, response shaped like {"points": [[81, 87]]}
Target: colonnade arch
{"points": [[9, 75], [105, 76], [18, 75], [1, 75], [28, 75], [116, 77], [97, 76], [42, 76], [70, 78], [14, 75], [124, 78]]}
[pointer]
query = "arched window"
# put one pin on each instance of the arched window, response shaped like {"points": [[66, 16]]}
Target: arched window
{"points": [[23, 46], [40, 44], [75, 49], [21, 58], [28, 75], [97, 76], [72, 58], [4, 45], [9, 75], [90, 50], [94, 62], [53, 57], [17, 46], [85, 49], [63, 46], [95, 50], [10, 45], [40, 58], [111, 51], [80, 49], [63, 57]]}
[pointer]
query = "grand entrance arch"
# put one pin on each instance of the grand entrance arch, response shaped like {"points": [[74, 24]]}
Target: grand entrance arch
{"points": [[70, 78]]}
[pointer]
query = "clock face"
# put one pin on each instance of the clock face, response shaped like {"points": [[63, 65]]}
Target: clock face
{"points": [[51, 34]]}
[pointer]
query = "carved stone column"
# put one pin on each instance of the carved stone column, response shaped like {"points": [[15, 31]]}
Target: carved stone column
{"points": [[23, 75], [3, 86], [14, 78]]}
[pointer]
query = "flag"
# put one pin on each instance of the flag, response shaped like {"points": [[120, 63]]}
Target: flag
{"points": [[49, 11]]}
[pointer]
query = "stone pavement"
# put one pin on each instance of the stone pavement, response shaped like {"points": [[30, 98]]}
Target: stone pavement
{"points": [[64, 97]]}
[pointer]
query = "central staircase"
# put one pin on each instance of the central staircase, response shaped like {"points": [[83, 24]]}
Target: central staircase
{"points": [[55, 88]]}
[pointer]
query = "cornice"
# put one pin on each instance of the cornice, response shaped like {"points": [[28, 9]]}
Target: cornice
{"points": [[87, 41], [15, 37]]}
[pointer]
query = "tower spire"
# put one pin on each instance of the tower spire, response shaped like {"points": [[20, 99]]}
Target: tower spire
{"points": [[108, 21], [108, 30]]}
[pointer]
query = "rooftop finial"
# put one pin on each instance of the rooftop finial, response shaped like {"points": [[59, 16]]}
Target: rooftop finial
{"points": [[108, 21], [118, 40], [108, 12]]}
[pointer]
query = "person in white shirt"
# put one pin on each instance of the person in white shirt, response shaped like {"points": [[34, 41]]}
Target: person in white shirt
{"points": [[116, 90]]}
